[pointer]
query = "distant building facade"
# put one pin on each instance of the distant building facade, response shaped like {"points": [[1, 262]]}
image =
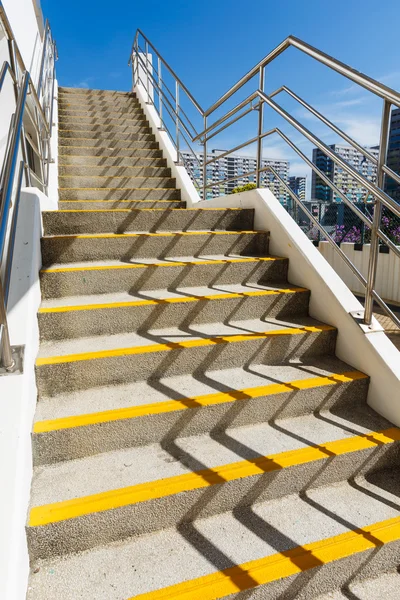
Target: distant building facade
{"points": [[347, 184], [393, 157], [235, 165], [298, 185]]}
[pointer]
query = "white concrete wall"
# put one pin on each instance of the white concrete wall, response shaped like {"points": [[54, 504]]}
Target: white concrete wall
{"points": [[18, 391], [331, 300], [24, 23], [388, 273], [183, 181], [18, 400]]}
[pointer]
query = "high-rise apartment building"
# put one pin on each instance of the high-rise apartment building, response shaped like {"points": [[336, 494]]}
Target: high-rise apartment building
{"points": [[347, 185], [298, 185], [393, 157], [228, 167]]}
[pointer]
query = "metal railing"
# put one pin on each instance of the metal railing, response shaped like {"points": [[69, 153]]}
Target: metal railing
{"points": [[33, 111], [143, 58]]}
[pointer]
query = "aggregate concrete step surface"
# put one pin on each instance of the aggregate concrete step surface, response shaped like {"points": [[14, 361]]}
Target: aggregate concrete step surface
{"points": [[128, 246], [129, 111], [97, 104], [105, 161], [122, 204], [104, 152], [136, 118], [130, 180], [82, 316], [100, 499], [82, 423], [113, 193], [298, 547], [120, 220], [74, 128], [104, 277], [136, 133], [79, 363], [119, 129], [142, 141], [115, 170]]}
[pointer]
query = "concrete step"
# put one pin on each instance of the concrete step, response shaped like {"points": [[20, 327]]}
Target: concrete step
{"points": [[124, 204], [68, 162], [72, 129], [98, 103], [142, 134], [132, 111], [76, 505], [83, 316], [115, 193], [70, 122], [82, 363], [86, 92], [120, 220], [78, 279], [138, 132], [104, 152], [129, 247], [114, 171], [144, 141], [115, 181], [78, 424], [299, 547], [385, 586]]}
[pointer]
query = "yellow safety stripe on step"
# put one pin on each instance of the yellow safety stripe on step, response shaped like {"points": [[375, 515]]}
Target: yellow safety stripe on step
{"points": [[168, 406], [60, 146], [177, 263], [142, 492], [162, 347], [249, 575], [147, 234], [110, 155], [97, 189], [124, 201], [80, 210], [173, 300]]}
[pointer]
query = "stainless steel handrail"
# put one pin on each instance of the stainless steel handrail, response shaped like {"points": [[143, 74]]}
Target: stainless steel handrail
{"points": [[38, 111], [244, 107]]}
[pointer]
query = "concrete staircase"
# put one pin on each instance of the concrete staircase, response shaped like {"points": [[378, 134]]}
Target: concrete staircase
{"points": [[195, 435]]}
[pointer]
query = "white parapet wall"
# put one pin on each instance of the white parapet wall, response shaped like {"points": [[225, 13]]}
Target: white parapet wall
{"points": [[18, 399], [387, 276], [331, 300]]}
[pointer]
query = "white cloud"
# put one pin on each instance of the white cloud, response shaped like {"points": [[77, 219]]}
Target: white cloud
{"points": [[84, 83]]}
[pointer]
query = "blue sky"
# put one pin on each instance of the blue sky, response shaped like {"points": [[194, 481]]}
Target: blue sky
{"points": [[212, 44]]}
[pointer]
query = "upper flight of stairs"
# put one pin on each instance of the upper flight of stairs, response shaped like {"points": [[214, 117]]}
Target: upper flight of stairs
{"points": [[195, 436]]}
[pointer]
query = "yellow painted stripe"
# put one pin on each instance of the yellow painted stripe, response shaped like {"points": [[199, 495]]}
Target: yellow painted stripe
{"points": [[262, 571], [148, 234], [168, 406], [78, 507], [112, 155], [74, 210], [124, 201], [69, 358], [175, 300], [118, 188], [166, 264]]}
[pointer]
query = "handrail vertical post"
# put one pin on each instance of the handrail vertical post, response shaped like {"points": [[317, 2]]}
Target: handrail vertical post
{"points": [[147, 71], [177, 120], [160, 93], [374, 246], [260, 130], [205, 160]]}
